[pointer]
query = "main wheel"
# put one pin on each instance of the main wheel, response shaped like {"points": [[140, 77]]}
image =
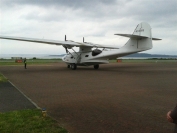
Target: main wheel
{"points": [[96, 66], [73, 66], [68, 66]]}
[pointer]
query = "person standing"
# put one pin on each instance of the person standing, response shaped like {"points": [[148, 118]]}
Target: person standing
{"points": [[172, 117], [25, 63]]}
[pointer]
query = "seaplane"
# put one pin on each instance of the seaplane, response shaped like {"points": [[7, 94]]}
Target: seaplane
{"points": [[90, 54]]}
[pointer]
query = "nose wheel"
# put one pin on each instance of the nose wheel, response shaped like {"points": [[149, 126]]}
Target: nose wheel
{"points": [[96, 66], [73, 66]]}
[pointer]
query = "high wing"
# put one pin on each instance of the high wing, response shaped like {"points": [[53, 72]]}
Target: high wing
{"points": [[67, 43], [89, 44]]}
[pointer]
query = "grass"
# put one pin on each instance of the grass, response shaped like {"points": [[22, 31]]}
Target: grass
{"points": [[6, 62], [28, 121], [2, 78], [146, 60], [29, 61]]}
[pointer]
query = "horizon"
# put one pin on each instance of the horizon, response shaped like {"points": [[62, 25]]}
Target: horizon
{"points": [[65, 53]]}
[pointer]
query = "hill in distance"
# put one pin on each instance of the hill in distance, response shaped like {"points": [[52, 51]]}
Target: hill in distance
{"points": [[151, 55]]}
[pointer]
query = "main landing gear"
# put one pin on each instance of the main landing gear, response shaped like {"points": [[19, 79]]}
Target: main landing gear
{"points": [[72, 66]]}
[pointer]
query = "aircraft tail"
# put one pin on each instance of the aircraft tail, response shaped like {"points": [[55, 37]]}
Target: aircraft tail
{"points": [[140, 40]]}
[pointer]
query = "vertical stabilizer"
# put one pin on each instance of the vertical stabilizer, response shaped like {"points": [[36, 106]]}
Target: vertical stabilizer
{"points": [[140, 40], [143, 29]]}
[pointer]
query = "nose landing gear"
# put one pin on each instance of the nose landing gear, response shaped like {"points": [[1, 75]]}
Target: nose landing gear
{"points": [[73, 66], [96, 66]]}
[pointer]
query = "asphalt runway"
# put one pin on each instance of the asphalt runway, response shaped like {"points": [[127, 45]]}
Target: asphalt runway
{"points": [[11, 99], [117, 98]]}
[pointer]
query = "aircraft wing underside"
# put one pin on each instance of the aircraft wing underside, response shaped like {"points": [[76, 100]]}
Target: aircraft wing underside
{"points": [[67, 43]]}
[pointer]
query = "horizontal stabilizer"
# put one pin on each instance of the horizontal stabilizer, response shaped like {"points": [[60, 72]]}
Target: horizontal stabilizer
{"points": [[156, 39], [136, 36], [132, 36]]}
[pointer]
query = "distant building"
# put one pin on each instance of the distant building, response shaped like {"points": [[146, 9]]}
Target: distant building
{"points": [[16, 58]]}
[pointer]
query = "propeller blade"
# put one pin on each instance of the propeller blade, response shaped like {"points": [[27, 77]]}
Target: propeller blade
{"points": [[65, 37], [83, 39]]}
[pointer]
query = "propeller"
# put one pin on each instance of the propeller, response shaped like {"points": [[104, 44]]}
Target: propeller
{"points": [[65, 46], [83, 39]]}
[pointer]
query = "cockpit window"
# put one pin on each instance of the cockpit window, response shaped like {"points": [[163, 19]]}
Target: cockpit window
{"points": [[96, 52]]}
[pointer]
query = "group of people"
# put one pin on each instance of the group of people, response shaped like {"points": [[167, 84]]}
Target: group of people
{"points": [[172, 117]]}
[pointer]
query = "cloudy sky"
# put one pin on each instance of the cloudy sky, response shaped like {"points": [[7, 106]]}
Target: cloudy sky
{"points": [[96, 20]]}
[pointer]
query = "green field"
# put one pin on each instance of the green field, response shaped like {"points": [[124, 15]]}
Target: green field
{"points": [[28, 121], [49, 61], [144, 61], [2, 78], [29, 61]]}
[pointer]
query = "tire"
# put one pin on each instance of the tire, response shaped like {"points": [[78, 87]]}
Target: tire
{"points": [[69, 66], [73, 66], [96, 66]]}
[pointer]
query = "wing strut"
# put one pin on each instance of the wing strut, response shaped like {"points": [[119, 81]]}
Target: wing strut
{"points": [[66, 49]]}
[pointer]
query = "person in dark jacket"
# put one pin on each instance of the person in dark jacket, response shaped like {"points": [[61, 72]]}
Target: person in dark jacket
{"points": [[172, 117], [25, 63]]}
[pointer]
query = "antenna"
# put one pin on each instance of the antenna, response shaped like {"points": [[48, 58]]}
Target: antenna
{"points": [[83, 39], [65, 38]]}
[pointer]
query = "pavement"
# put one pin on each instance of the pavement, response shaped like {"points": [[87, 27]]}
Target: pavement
{"points": [[11, 99], [118, 97]]}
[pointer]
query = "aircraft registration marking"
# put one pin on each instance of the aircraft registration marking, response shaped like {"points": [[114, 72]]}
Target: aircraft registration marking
{"points": [[141, 30]]}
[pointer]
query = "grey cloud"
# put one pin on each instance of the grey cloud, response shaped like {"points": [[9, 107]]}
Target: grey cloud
{"points": [[160, 10], [117, 16], [159, 13], [66, 3], [103, 9], [90, 7]]}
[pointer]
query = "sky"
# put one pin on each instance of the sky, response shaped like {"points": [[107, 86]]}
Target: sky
{"points": [[95, 20]]}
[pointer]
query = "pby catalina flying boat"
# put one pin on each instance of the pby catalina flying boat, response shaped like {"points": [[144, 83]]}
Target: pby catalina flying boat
{"points": [[90, 54]]}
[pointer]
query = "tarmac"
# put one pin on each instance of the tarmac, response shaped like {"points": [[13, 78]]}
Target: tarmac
{"points": [[118, 97], [12, 99]]}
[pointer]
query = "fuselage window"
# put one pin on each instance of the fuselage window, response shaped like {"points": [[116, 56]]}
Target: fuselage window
{"points": [[96, 52], [87, 56]]}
